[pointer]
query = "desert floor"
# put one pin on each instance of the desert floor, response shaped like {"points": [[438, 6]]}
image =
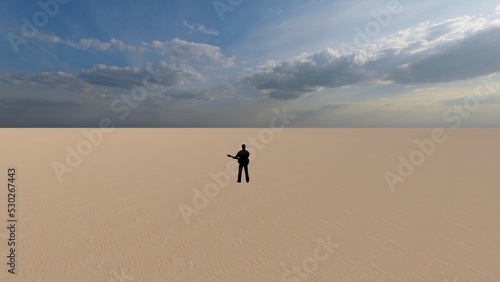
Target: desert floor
{"points": [[318, 207]]}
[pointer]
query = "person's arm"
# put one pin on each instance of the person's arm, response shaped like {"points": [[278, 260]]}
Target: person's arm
{"points": [[236, 156]]}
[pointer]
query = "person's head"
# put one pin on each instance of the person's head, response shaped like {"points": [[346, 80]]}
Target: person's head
{"points": [[243, 146]]}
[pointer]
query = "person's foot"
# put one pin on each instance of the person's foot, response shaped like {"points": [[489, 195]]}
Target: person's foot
{"points": [[238, 181], [248, 180]]}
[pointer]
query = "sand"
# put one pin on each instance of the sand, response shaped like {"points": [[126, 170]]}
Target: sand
{"points": [[318, 206]]}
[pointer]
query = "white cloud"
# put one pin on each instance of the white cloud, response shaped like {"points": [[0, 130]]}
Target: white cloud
{"points": [[201, 28], [91, 43], [129, 77], [208, 53], [58, 79], [100, 76], [178, 76], [456, 49], [176, 48], [427, 35], [159, 45], [497, 10], [307, 73]]}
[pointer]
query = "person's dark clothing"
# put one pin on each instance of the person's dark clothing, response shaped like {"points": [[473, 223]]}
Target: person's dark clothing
{"points": [[242, 157], [243, 160]]}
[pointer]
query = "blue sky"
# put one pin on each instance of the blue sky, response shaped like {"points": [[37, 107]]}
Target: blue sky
{"points": [[230, 63]]}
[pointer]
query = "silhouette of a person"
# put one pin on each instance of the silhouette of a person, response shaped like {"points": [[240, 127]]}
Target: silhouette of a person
{"points": [[242, 157]]}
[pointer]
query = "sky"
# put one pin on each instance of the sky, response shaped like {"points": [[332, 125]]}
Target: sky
{"points": [[234, 63]]}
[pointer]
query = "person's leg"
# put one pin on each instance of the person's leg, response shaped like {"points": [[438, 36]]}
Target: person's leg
{"points": [[239, 172], [246, 174]]}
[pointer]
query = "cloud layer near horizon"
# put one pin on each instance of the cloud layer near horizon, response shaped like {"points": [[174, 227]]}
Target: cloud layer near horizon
{"points": [[457, 49], [187, 62]]}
